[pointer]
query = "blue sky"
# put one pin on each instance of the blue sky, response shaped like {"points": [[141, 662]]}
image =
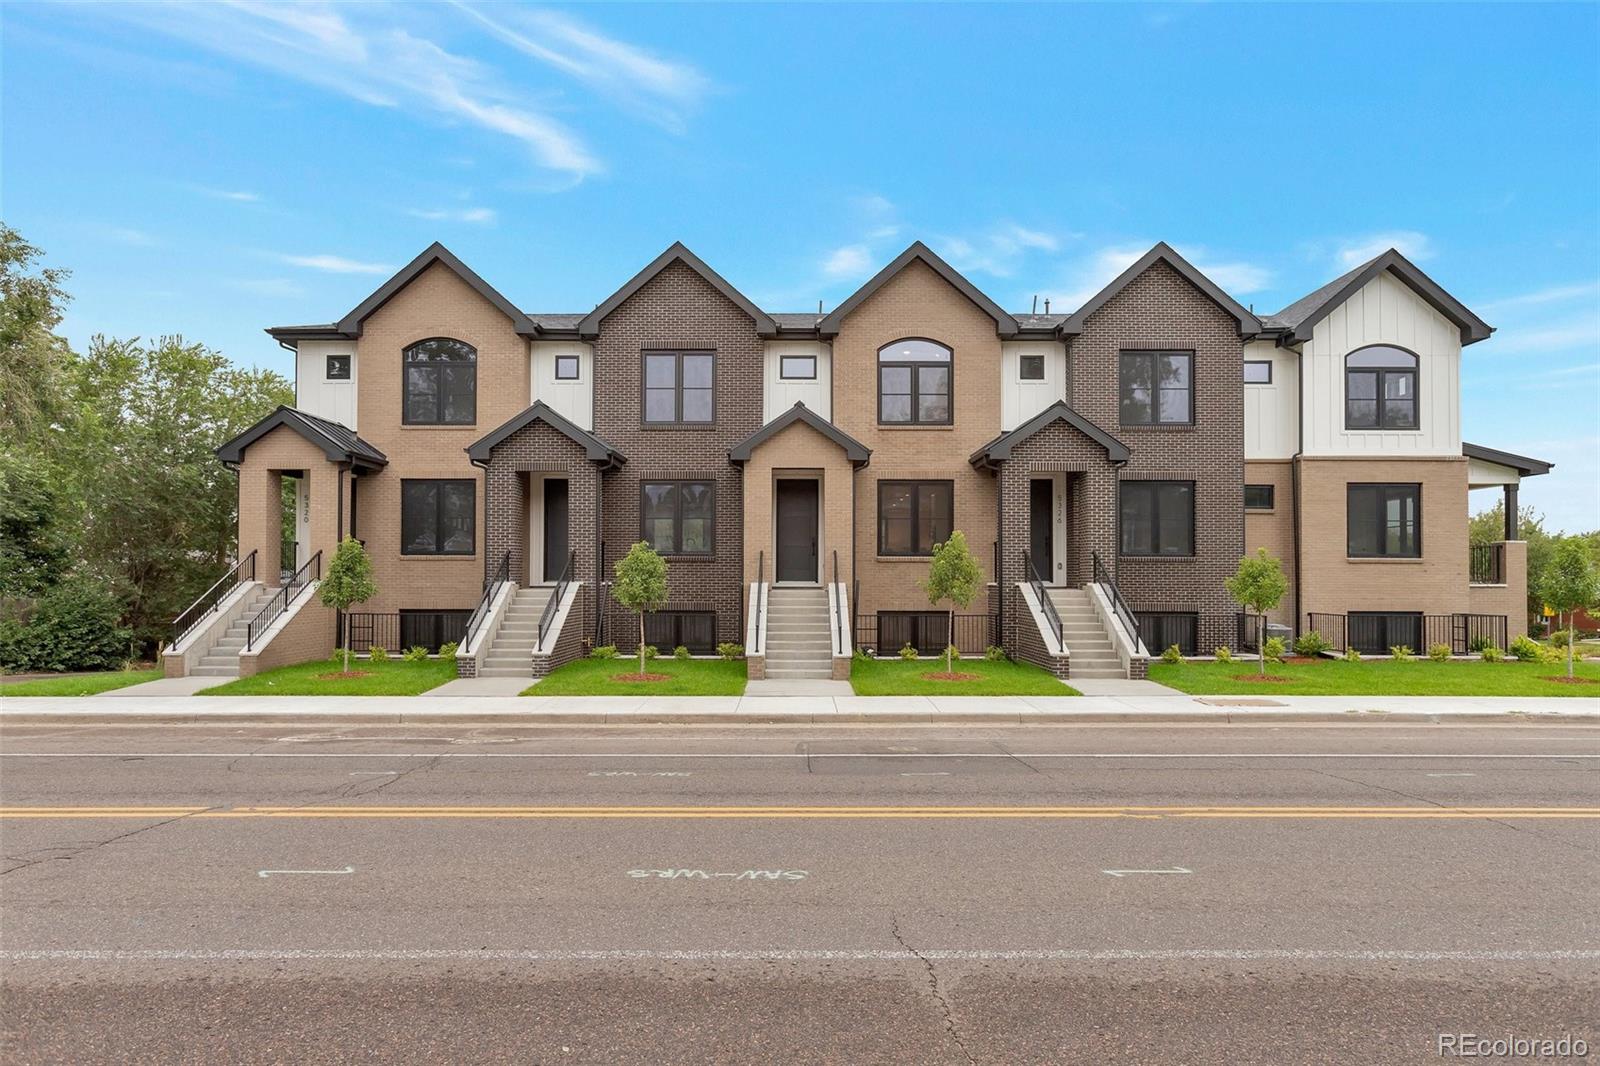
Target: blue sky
{"points": [[212, 169]]}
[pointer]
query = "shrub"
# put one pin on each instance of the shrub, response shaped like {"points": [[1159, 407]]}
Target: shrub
{"points": [[952, 653], [76, 625], [1491, 654], [650, 651], [1400, 652], [1480, 642], [994, 654], [415, 654], [862, 653], [1559, 636], [1527, 650], [1311, 644], [377, 654], [1439, 653], [1173, 654], [448, 650], [680, 652], [604, 651], [1351, 655], [908, 653], [1274, 649], [730, 651], [1223, 654]]}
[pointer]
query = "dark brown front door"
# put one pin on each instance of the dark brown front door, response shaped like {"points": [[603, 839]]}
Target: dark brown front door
{"points": [[797, 530], [1041, 528], [555, 528]]}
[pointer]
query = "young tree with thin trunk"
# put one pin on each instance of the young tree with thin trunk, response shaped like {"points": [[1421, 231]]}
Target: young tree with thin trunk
{"points": [[347, 583], [953, 575], [1259, 586], [1570, 584], [641, 586]]}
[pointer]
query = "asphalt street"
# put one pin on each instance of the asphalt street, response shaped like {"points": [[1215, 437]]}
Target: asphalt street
{"points": [[1148, 894]]}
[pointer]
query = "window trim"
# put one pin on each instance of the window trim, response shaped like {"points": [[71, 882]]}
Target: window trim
{"points": [[677, 387], [1160, 619], [1155, 519], [405, 385], [1382, 525], [1248, 363], [1379, 398], [677, 551], [915, 519], [577, 368], [785, 376], [1272, 497], [349, 367], [949, 366], [1153, 354], [675, 619], [1022, 361], [438, 518]]}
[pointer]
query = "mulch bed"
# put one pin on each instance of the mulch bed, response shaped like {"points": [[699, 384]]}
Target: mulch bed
{"points": [[340, 675], [942, 676], [637, 678], [1573, 680], [1269, 679]]}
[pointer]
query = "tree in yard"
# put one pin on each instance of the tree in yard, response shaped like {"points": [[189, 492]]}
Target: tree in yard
{"points": [[347, 583], [953, 575], [641, 586], [33, 357], [1570, 582], [1259, 586]]}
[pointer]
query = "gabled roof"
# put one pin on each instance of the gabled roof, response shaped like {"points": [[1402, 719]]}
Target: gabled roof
{"points": [[854, 450], [1004, 323], [338, 442], [1249, 325], [1520, 463], [590, 325], [999, 450], [1299, 318], [595, 448]]}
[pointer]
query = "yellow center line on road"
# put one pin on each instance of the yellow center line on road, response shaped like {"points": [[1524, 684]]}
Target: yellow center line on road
{"points": [[817, 812]]}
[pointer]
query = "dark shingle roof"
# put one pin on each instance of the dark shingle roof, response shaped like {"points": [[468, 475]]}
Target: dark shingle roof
{"points": [[1301, 317], [338, 442]]}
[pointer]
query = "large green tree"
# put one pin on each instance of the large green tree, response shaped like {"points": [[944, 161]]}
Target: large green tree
{"points": [[32, 357], [1489, 527], [1571, 583]]}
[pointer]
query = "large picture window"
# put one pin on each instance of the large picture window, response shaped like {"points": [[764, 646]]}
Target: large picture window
{"points": [[1384, 521], [1380, 389], [1156, 388], [438, 517], [676, 517], [678, 388], [913, 516], [1157, 517], [441, 383], [914, 383]]}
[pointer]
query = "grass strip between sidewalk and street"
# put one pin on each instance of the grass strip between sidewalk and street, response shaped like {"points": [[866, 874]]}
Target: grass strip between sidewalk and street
{"points": [[395, 677], [674, 677], [81, 685], [898, 677], [1378, 677]]}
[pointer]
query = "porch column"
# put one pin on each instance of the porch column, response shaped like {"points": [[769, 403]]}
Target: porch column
{"points": [[1511, 510]]}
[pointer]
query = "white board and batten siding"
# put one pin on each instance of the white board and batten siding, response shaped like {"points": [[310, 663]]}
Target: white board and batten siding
{"points": [[1021, 400], [1384, 311], [780, 393], [572, 399], [1271, 417], [314, 393]]}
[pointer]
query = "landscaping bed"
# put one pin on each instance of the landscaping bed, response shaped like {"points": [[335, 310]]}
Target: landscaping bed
{"points": [[325, 677], [81, 684], [925, 677], [1378, 677], [663, 677]]}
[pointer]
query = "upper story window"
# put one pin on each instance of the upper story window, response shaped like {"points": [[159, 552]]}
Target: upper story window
{"points": [[1156, 388], [1383, 521], [678, 388], [441, 383], [914, 383], [566, 368], [1380, 388], [338, 368], [797, 367], [1030, 368], [1257, 372]]}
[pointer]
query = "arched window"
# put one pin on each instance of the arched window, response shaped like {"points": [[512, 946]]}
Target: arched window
{"points": [[441, 383], [914, 383], [1380, 388]]}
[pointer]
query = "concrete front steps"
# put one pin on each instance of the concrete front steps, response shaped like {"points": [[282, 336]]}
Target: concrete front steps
{"points": [[1088, 644], [799, 634], [511, 652], [222, 658]]}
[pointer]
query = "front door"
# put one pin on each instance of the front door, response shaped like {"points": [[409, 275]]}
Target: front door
{"points": [[797, 530], [555, 528], [1041, 527]]}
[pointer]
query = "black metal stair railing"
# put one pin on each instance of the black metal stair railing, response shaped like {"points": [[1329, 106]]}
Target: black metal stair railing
{"points": [[281, 600], [198, 611]]}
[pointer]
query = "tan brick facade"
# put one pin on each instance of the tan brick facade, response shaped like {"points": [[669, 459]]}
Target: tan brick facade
{"points": [[799, 452], [266, 463], [1274, 529]]}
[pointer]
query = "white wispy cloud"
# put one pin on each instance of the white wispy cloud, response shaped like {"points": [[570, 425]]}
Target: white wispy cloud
{"points": [[1553, 294], [850, 261], [1568, 334], [128, 235], [238, 196], [480, 216], [1357, 250], [1086, 276], [998, 250], [336, 264], [358, 51]]}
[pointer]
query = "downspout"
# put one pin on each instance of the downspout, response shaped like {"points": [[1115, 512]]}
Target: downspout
{"points": [[599, 541], [1294, 482]]}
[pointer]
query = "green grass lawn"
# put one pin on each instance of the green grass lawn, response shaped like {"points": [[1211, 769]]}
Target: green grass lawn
{"points": [[392, 678], [684, 677], [895, 677], [88, 685], [1378, 677]]}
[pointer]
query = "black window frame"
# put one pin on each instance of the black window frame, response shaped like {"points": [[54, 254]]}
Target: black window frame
{"points": [[1271, 501], [1248, 363], [439, 536], [926, 631], [577, 368], [677, 551], [1384, 491], [1154, 355], [1383, 626], [916, 366], [783, 363], [1380, 399], [678, 390], [666, 630], [1154, 488], [437, 367], [1024, 361], [436, 626], [343, 363], [1157, 630], [916, 484]]}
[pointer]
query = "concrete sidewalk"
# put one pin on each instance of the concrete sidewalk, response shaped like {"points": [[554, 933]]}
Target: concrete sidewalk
{"points": [[723, 710]]}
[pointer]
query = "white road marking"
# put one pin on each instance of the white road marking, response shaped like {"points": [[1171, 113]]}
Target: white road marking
{"points": [[926, 773], [1453, 775], [706, 875], [639, 773], [791, 955], [773, 755], [374, 773], [269, 873], [1125, 873]]}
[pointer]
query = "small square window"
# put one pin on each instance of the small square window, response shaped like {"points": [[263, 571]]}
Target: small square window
{"points": [[797, 367], [1258, 497], [338, 368], [1258, 373], [1031, 368], [566, 368]]}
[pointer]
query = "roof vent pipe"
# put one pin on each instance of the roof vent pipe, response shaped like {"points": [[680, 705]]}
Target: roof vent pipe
{"points": [[1035, 303], [1047, 305]]}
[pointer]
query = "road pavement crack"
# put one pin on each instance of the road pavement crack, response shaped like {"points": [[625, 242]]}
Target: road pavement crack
{"points": [[74, 852], [934, 989]]}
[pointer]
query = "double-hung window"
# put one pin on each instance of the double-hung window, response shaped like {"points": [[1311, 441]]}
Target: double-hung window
{"points": [[1156, 388], [913, 516], [441, 383], [1157, 517], [676, 517], [438, 517], [678, 388], [914, 383], [1380, 389], [1384, 521]]}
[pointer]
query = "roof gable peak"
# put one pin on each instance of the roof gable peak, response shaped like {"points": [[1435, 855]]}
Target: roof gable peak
{"points": [[1160, 252], [677, 252], [1004, 323], [351, 324]]}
